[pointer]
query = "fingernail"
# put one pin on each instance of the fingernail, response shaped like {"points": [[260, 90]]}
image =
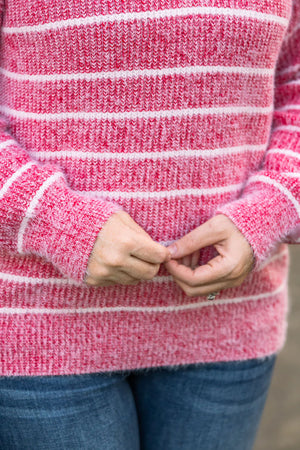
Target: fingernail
{"points": [[173, 250]]}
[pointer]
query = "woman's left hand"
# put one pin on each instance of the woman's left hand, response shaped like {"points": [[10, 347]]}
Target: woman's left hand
{"points": [[228, 269]]}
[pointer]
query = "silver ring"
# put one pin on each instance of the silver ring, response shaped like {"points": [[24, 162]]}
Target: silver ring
{"points": [[212, 296]]}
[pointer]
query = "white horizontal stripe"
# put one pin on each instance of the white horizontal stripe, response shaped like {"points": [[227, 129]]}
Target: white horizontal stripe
{"points": [[289, 107], [14, 177], [137, 309], [161, 279], [289, 69], [33, 204], [117, 74], [208, 153], [287, 128], [63, 281], [36, 281], [284, 152], [144, 15], [20, 279], [272, 259], [164, 194], [278, 186], [288, 36], [132, 115], [293, 82], [7, 143], [291, 174]]}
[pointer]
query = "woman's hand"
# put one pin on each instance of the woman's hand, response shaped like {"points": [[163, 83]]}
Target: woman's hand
{"points": [[228, 269], [124, 254]]}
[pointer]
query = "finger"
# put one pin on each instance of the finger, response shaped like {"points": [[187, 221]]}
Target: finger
{"points": [[195, 259], [140, 270], [207, 234], [109, 279], [136, 240], [93, 282], [122, 277], [210, 288], [215, 270], [202, 290], [148, 250], [190, 260], [186, 260]]}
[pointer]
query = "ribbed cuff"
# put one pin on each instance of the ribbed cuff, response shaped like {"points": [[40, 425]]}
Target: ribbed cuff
{"points": [[65, 227], [264, 217]]}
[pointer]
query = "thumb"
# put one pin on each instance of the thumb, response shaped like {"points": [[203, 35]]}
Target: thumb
{"points": [[202, 236]]}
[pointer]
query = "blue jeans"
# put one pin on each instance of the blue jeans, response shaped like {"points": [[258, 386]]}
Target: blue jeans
{"points": [[204, 406]]}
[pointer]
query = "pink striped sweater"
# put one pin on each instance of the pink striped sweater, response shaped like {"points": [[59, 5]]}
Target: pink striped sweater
{"points": [[174, 110]]}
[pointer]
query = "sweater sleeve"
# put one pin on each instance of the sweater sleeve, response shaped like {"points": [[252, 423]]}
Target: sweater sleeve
{"points": [[268, 210], [39, 213]]}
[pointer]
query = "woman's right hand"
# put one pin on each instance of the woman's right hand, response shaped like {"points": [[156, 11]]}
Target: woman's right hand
{"points": [[124, 253]]}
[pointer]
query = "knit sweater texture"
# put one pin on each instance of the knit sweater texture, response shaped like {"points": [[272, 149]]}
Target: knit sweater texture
{"points": [[174, 111]]}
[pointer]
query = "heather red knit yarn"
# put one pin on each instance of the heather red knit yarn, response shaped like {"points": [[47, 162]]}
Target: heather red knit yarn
{"points": [[173, 110]]}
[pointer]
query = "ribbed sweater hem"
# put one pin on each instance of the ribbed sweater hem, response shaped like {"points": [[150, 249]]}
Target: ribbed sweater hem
{"points": [[61, 344]]}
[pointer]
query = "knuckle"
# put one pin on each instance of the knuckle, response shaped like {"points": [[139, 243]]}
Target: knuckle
{"points": [[221, 220], [104, 273], [151, 272], [189, 292], [115, 260], [100, 274], [122, 278], [91, 282], [191, 242], [127, 242], [162, 254], [218, 223], [154, 270]]}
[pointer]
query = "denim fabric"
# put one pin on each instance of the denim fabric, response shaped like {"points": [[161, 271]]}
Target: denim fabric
{"points": [[205, 406]]}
